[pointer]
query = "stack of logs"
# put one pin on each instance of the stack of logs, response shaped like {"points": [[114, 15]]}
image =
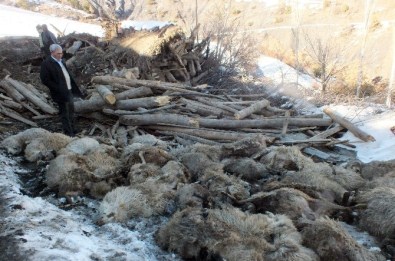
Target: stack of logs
{"points": [[185, 112], [180, 111], [17, 97]]}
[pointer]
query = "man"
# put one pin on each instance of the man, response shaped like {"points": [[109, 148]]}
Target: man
{"points": [[40, 38], [56, 77], [46, 38]]}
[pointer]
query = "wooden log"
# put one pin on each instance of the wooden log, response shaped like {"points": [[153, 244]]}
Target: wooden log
{"points": [[97, 103], [143, 111], [4, 97], [28, 107], [107, 95], [170, 77], [74, 48], [196, 79], [262, 123], [251, 109], [197, 65], [189, 137], [328, 132], [14, 115], [174, 119], [285, 124], [151, 119], [209, 134], [134, 93], [42, 117], [134, 82], [217, 104], [146, 102], [35, 91], [11, 104], [348, 125], [191, 67], [45, 107], [165, 86], [203, 109], [12, 92]]}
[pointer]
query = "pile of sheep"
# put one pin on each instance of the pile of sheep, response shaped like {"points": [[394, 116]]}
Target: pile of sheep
{"points": [[237, 201]]}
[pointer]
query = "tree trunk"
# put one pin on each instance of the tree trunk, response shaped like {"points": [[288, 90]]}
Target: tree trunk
{"points": [[146, 102], [207, 133], [45, 107], [11, 92], [97, 103], [174, 119], [251, 109], [107, 95], [348, 125], [14, 115]]}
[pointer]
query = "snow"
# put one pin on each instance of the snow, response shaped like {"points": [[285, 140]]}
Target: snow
{"points": [[281, 73], [374, 119], [50, 233], [19, 22]]}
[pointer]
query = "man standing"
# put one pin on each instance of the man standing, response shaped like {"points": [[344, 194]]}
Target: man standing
{"points": [[46, 38], [56, 77]]}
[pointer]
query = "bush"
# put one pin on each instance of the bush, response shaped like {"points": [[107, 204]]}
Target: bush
{"points": [[374, 24], [24, 4]]}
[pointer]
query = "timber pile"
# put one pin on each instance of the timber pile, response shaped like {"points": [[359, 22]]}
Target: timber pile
{"points": [[189, 115], [119, 106], [165, 54], [17, 97]]}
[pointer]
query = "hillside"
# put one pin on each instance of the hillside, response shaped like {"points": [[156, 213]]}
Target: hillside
{"points": [[342, 21]]}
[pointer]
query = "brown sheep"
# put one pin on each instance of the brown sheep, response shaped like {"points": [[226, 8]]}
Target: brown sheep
{"points": [[81, 146], [68, 173], [76, 173], [331, 242], [175, 173], [15, 144], [140, 172], [192, 195], [198, 163], [140, 200], [387, 180], [374, 169], [213, 153], [229, 234], [140, 153], [123, 203], [245, 168], [379, 216], [246, 147], [329, 189], [46, 147], [296, 205]]}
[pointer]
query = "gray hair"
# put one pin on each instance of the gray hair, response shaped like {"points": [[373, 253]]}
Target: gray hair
{"points": [[54, 47]]}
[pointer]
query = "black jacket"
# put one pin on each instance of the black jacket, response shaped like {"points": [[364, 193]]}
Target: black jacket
{"points": [[51, 75]]}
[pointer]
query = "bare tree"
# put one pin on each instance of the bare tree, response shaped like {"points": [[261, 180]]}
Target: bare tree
{"points": [[327, 55], [232, 46], [392, 78], [368, 7], [296, 37]]}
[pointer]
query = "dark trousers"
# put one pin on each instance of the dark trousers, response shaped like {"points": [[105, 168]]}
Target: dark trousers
{"points": [[66, 112]]}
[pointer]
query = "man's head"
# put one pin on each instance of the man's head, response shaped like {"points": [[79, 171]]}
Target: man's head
{"points": [[44, 27], [39, 28], [56, 51]]}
